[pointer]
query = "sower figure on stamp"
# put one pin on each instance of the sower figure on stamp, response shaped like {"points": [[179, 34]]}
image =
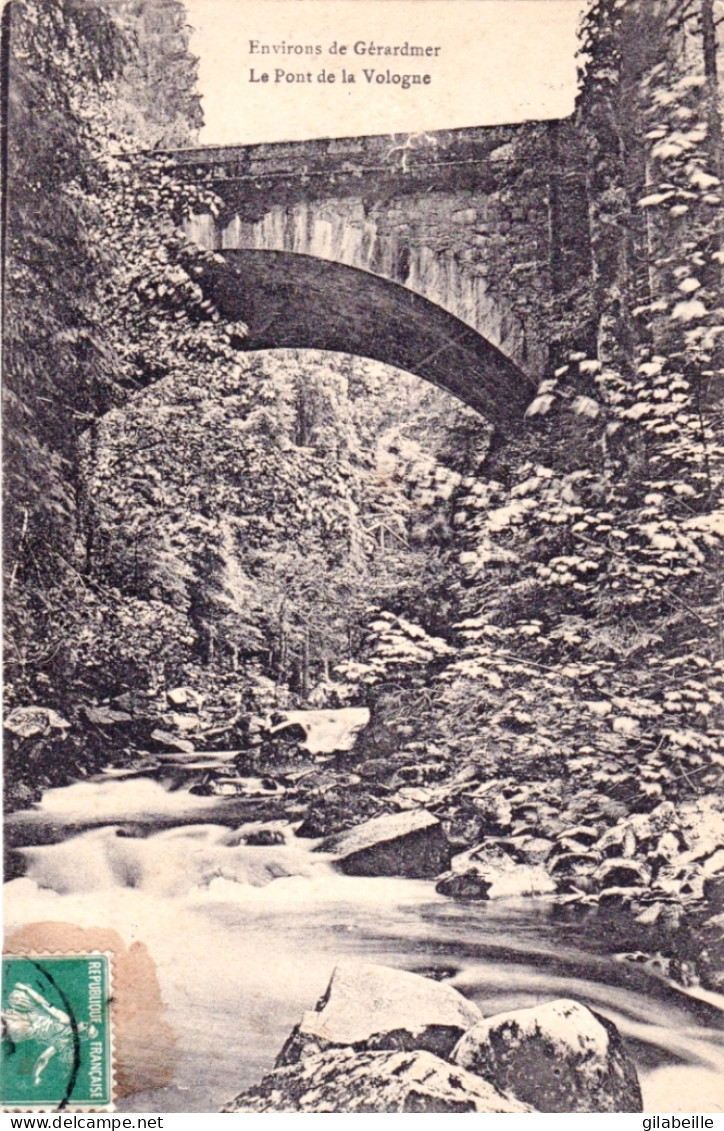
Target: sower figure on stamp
{"points": [[29, 1017]]}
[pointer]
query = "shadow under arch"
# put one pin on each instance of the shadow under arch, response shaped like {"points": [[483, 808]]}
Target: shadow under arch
{"points": [[294, 301]]}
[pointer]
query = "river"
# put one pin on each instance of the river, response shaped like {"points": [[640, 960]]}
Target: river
{"points": [[245, 938]]}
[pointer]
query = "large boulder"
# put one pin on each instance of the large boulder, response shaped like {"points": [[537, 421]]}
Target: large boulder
{"points": [[31, 722], [135, 703], [495, 812], [105, 716], [713, 889], [620, 872], [620, 841], [185, 697], [410, 844], [613, 900], [322, 732], [163, 740], [710, 958], [574, 870], [264, 838], [494, 868], [581, 835], [377, 1007], [533, 849], [343, 1080], [557, 1057], [468, 885]]}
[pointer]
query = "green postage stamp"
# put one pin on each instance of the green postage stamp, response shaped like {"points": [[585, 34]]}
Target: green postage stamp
{"points": [[56, 1032]]}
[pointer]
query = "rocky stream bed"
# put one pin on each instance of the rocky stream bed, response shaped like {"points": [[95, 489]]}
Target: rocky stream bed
{"points": [[651, 873]]}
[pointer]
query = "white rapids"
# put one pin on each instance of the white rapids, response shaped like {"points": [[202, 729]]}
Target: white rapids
{"points": [[244, 940]]}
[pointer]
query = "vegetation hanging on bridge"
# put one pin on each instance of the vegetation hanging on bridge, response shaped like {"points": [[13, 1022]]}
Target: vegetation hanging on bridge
{"points": [[296, 531]]}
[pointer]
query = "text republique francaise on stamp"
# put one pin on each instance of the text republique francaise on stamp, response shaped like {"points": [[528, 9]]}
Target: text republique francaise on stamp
{"points": [[56, 1046]]}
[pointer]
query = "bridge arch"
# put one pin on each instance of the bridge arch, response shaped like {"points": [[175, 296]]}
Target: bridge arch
{"points": [[294, 301]]}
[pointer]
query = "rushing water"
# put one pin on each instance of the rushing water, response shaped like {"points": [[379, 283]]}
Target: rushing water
{"points": [[245, 938]]}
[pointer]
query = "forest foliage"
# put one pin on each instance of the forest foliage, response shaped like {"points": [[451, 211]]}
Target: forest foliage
{"points": [[317, 530]]}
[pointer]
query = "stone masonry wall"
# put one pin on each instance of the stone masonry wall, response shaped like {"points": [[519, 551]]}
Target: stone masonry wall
{"points": [[462, 218]]}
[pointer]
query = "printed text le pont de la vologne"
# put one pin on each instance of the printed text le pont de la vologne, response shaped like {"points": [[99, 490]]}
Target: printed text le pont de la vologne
{"points": [[362, 49]]}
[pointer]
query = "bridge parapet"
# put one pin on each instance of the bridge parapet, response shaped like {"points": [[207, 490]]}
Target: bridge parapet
{"points": [[444, 159]]}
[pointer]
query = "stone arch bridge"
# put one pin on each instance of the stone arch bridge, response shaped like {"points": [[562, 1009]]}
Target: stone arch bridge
{"points": [[435, 253]]}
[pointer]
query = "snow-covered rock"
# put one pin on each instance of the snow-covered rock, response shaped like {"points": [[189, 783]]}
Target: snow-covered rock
{"points": [[494, 811], [380, 1008], [164, 740], [648, 827], [503, 868], [618, 841], [557, 1057], [105, 715], [574, 868], [582, 835], [184, 697], [534, 849], [410, 844], [342, 1080], [178, 696], [619, 872], [702, 821], [325, 732], [470, 885], [617, 899], [31, 722], [184, 722]]}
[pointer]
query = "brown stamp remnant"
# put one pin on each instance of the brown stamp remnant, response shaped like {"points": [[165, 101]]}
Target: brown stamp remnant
{"points": [[145, 1048]]}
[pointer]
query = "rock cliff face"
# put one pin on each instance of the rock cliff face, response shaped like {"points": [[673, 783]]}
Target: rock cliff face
{"points": [[385, 1040]]}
